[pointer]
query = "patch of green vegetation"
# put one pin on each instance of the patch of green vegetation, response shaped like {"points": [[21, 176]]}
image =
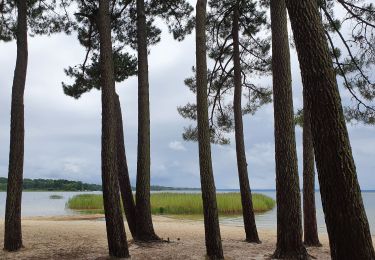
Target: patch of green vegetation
{"points": [[178, 203], [86, 202], [56, 197]]}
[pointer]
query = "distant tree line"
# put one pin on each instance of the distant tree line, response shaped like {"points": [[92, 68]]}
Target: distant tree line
{"points": [[65, 185], [53, 185]]}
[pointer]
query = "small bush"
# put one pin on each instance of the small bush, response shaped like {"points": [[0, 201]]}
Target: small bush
{"points": [[55, 197]]}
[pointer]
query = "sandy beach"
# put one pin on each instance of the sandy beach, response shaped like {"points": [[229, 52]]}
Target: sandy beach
{"points": [[84, 237]]}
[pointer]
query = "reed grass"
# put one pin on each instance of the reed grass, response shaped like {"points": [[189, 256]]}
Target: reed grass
{"points": [[178, 203]]}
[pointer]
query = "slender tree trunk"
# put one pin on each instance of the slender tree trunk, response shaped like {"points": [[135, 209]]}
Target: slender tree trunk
{"points": [[145, 228], [13, 232], [309, 210], [116, 235], [289, 226], [246, 199], [211, 217], [347, 225], [123, 174]]}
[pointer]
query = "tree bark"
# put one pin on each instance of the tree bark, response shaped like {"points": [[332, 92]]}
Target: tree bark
{"points": [[347, 224], [13, 231], [123, 174], [246, 199], [289, 226], [116, 235], [211, 218], [145, 228], [311, 237]]}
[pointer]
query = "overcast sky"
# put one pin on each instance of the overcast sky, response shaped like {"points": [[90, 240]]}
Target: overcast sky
{"points": [[63, 135]]}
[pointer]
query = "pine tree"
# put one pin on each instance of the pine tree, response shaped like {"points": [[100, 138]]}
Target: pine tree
{"points": [[12, 232], [239, 54], [289, 223], [35, 17], [124, 19], [246, 199], [347, 224], [87, 77], [310, 227], [211, 219], [145, 229], [309, 207], [123, 173], [116, 235]]}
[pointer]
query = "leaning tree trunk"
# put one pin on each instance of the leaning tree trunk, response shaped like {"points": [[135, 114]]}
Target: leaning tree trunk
{"points": [[289, 226], [116, 235], [246, 199], [211, 218], [347, 225], [309, 209], [12, 232], [123, 173], [145, 228]]}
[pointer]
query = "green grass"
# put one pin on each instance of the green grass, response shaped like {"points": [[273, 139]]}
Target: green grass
{"points": [[55, 197], [177, 203]]}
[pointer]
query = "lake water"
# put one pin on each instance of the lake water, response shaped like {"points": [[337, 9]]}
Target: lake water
{"points": [[268, 219], [39, 204]]}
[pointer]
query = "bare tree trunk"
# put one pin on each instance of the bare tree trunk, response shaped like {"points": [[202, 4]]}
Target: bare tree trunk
{"points": [[347, 224], [309, 209], [123, 174], [246, 199], [289, 226], [13, 232], [211, 218], [116, 235], [145, 228]]}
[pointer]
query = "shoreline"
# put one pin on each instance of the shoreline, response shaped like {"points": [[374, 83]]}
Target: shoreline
{"points": [[84, 237]]}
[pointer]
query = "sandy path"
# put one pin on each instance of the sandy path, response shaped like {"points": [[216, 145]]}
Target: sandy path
{"points": [[65, 238]]}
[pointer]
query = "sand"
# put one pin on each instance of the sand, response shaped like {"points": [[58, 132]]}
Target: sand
{"points": [[84, 237]]}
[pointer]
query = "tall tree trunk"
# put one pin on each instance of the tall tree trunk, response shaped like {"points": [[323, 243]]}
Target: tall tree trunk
{"points": [[246, 199], [289, 226], [347, 225], [145, 228], [309, 209], [123, 174], [116, 235], [211, 218], [12, 232]]}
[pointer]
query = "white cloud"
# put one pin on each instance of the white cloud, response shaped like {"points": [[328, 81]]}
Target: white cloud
{"points": [[71, 168], [177, 146]]}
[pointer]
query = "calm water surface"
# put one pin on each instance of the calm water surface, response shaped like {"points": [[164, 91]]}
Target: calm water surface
{"points": [[268, 219], [39, 204]]}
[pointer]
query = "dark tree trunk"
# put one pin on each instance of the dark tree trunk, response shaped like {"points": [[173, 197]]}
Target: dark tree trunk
{"points": [[309, 210], [347, 225], [116, 235], [123, 173], [246, 199], [211, 218], [289, 226], [12, 232], [145, 228]]}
